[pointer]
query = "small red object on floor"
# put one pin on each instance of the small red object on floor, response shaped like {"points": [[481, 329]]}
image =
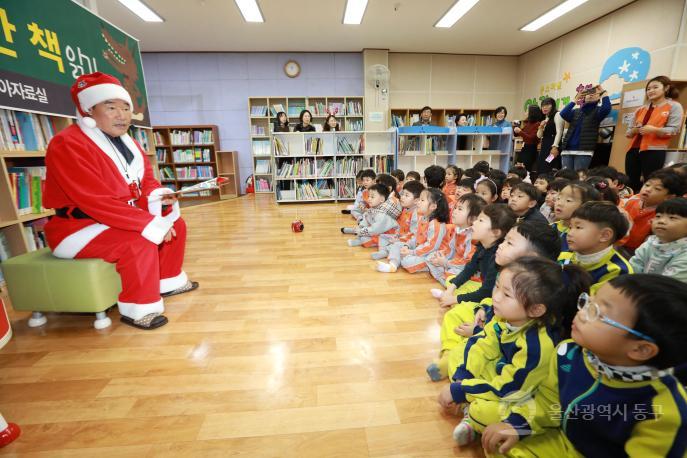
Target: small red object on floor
{"points": [[10, 432], [297, 226]]}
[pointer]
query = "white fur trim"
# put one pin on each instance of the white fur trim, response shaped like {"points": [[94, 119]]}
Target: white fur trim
{"points": [[137, 166], [91, 96], [156, 229], [138, 311], [170, 284], [73, 243]]}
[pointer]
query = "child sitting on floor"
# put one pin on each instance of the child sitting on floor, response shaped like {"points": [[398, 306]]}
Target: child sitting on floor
{"points": [[552, 191], [487, 190], [507, 187], [413, 176], [524, 199], [505, 363], [380, 218], [435, 176], [453, 176], [570, 199], [610, 391], [400, 177], [594, 228], [430, 237], [358, 190], [465, 186], [407, 221], [452, 259], [367, 178], [665, 252]]}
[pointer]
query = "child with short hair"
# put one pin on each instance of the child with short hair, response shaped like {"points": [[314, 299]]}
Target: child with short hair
{"points": [[529, 238], [570, 199], [358, 189], [661, 185], [505, 363], [594, 228], [542, 182], [524, 198], [407, 221], [517, 171], [413, 176], [390, 182], [453, 175], [434, 176], [487, 190], [430, 236], [624, 189], [399, 176], [610, 391], [380, 218], [665, 252], [465, 186], [568, 174], [508, 187], [552, 190], [367, 178], [452, 259], [482, 167]]}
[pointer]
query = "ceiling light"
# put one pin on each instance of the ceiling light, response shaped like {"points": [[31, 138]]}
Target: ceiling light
{"points": [[456, 12], [355, 9], [552, 15], [250, 10], [142, 10]]}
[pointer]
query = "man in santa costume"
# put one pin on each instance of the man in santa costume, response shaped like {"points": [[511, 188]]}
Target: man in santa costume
{"points": [[108, 204]]}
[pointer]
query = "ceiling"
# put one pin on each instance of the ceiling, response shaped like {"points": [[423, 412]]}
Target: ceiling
{"points": [[491, 27]]}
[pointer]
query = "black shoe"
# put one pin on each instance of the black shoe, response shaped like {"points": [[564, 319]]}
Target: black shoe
{"points": [[345, 212], [342, 230]]}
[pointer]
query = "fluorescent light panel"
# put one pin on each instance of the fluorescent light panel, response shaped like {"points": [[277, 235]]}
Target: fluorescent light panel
{"points": [[456, 12], [552, 15], [250, 10], [355, 10], [142, 10]]}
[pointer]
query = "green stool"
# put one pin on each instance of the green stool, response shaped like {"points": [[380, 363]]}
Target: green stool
{"points": [[40, 282]]}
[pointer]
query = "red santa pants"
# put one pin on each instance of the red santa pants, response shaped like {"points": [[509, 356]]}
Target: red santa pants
{"points": [[146, 269]]}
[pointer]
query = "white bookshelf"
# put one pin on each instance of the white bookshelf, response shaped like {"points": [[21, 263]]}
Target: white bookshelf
{"points": [[262, 115], [321, 166]]}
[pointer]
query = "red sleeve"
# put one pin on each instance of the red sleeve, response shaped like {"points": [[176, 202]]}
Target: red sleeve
{"points": [[529, 132], [82, 182]]}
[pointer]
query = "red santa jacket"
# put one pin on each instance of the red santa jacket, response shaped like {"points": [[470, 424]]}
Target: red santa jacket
{"points": [[85, 171]]}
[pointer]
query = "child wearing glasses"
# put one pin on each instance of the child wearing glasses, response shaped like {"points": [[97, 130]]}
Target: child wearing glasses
{"points": [[610, 390], [505, 363], [594, 228]]}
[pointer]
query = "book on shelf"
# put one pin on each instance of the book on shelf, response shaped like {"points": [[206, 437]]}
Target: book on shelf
{"points": [[318, 109], [295, 110], [397, 121], [349, 166], [280, 149], [26, 186], [262, 166], [262, 184], [193, 172], [35, 234], [258, 110], [314, 145], [345, 146], [337, 108], [5, 252], [203, 137], [140, 136], [22, 131], [325, 168], [355, 108], [276, 108], [180, 137], [256, 130], [158, 139], [346, 188], [300, 168], [192, 155], [356, 124], [381, 164], [161, 154], [414, 118], [167, 173], [261, 148]]}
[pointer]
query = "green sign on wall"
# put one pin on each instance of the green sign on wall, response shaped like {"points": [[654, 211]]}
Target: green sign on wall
{"points": [[46, 44]]}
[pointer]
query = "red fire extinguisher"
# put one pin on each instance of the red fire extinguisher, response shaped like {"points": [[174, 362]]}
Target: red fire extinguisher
{"points": [[250, 187]]}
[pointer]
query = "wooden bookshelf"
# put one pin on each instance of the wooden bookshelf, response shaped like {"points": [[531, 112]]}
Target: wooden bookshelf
{"points": [[325, 163], [186, 155], [262, 115], [13, 222], [228, 167], [678, 144], [440, 116]]}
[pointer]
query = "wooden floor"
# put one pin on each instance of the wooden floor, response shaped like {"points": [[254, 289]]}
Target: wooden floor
{"points": [[292, 346]]}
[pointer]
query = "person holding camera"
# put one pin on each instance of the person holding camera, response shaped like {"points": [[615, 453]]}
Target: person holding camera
{"points": [[580, 140]]}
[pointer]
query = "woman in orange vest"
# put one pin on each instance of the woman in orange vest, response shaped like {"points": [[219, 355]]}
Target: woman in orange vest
{"points": [[654, 126]]}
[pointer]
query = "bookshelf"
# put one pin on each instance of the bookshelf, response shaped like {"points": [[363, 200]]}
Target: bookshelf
{"points": [[187, 155], [321, 166], [262, 115], [441, 117], [22, 175], [417, 151], [677, 149], [228, 167]]}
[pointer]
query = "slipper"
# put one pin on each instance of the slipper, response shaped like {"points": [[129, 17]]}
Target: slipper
{"points": [[345, 212], [147, 323], [189, 286]]}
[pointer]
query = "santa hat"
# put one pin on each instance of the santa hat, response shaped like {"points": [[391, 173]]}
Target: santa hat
{"points": [[94, 88]]}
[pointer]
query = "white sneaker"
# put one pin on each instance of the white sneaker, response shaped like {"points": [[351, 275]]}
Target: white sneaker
{"points": [[385, 267], [436, 293]]}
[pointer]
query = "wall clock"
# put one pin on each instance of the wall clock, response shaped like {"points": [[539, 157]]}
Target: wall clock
{"points": [[292, 69]]}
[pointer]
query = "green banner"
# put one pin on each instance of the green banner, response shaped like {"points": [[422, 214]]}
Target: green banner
{"points": [[46, 44]]}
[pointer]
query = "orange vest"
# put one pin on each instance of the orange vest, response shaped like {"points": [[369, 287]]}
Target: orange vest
{"points": [[658, 118]]}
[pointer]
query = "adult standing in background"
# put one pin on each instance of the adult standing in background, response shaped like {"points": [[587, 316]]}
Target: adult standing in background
{"points": [[653, 127], [425, 117], [500, 142], [528, 131], [304, 125], [550, 132]]}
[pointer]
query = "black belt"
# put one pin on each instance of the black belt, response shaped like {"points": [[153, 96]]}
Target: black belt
{"points": [[71, 212]]}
